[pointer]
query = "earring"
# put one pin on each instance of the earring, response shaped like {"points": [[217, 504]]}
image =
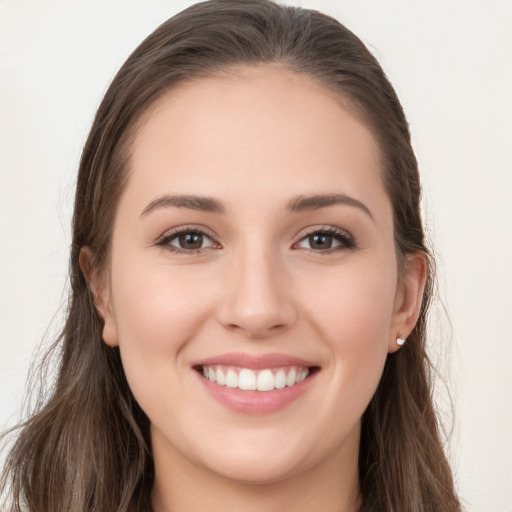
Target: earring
{"points": [[399, 340]]}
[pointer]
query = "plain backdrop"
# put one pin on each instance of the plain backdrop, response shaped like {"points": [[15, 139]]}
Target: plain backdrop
{"points": [[451, 64]]}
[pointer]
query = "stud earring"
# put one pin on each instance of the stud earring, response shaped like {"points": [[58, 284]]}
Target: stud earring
{"points": [[399, 340]]}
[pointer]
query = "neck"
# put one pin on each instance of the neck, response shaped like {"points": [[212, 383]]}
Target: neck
{"points": [[331, 486]]}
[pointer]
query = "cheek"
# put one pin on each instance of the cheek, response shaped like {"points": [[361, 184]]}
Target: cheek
{"points": [[156, 308], [157, 311], [353, 312], [354, 305]]}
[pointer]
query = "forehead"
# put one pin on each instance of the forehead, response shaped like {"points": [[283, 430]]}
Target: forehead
{"points": [[252, 130]]}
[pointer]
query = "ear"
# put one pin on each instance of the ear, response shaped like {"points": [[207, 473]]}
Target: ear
{"points": [[408, 299], [100, 290]]}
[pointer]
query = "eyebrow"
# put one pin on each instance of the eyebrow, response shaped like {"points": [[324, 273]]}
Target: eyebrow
{"points": [[315, 202], [296, 205], [204, 204]]}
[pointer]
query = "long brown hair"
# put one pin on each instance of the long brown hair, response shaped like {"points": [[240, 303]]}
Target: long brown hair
{"points": [[87, 448]]}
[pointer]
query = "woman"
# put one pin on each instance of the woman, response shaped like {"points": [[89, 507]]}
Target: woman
{"points": [[249, 285]]}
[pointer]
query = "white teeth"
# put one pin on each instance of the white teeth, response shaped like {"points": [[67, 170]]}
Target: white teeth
{"points": [[232, 379], [290, 378], [249, 380], [280, 379], [265, 381], [301, 376], [221, 379]]}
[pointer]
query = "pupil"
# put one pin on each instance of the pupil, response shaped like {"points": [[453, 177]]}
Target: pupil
{"points": [[191, 241], [320, 241]]}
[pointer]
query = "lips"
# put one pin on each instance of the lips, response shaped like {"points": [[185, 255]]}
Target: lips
{"points": [[255, 384], [261, 362]]}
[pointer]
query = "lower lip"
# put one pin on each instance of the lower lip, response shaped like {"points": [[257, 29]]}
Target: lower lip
{"points": [[256, 402]]}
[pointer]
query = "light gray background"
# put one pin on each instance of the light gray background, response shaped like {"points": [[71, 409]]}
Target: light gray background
{"points": [[450, 62]]}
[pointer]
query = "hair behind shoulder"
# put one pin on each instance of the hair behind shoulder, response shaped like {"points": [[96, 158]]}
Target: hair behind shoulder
{"points": [[88, 448]]}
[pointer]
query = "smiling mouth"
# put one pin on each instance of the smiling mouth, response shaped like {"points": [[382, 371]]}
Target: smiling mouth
{"points": [[246, 379]]}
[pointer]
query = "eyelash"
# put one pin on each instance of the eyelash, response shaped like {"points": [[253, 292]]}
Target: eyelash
{"points": [[346, 241], [166, 240]]}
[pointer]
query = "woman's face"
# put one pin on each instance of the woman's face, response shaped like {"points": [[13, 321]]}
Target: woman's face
{"points": [[253, 244]]}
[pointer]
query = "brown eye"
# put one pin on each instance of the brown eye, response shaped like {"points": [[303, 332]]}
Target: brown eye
{"points": [[326, 239], [188, 241], [320, 241]]}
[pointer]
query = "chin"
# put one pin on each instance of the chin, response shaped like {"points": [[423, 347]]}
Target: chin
{"points": [[256, 470], [262, 457]]}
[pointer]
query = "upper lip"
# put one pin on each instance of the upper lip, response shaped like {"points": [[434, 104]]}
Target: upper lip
{"points": [[254, 362]]}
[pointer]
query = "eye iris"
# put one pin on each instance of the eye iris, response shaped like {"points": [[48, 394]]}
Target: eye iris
{"points": [[191, 241], [320, 241]]}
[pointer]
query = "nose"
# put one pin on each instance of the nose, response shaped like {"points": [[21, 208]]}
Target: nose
{"points": [[259, 300]]}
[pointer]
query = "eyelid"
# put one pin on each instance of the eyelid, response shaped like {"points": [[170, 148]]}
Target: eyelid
{"points": [[163, 240], [347, 241]]}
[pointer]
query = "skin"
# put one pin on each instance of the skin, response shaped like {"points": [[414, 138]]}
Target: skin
{"points": [[254, 140]]}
